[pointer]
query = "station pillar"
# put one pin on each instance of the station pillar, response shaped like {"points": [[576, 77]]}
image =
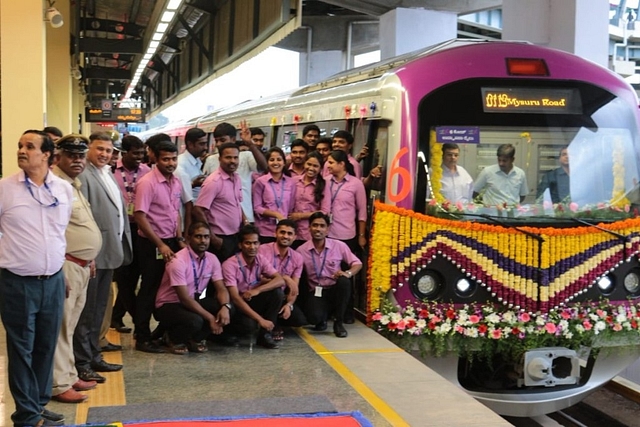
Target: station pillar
{"points": [[318, 65], [577, 26], [61, 87], [404, 30]]}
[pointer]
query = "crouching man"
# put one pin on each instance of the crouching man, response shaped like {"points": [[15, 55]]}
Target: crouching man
{"points": [[181, 307]]}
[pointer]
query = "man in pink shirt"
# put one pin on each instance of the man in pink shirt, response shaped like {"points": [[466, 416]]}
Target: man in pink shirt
{"points": [[299, 150], [329, 285], [35, 207], [181, 304], [255, 301], [218, 203], [157, 213], [289, 264], [343, 141], [129, 171]]}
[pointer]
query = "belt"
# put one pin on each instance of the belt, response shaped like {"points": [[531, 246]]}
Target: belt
{"points": [[40, 277], [82, 263]]}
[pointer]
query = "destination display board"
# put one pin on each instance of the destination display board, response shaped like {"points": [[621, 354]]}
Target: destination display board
{"points": [[531, 100], [118, 115]]}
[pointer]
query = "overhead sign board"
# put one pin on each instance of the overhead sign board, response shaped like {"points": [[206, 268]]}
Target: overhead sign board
{"points": [[119, 115]]}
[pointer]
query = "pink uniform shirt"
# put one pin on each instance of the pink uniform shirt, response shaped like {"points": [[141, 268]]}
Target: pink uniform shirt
{"points": [[305, 202], [268, 194], [128, 180], [33, 224], [220, 197], [321, 267], [183, 270], [356, 168], [290, 265], [159, 199], [237, 274], [348, 201]]}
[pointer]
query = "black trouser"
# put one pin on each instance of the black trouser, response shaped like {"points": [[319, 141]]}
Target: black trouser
{"points": [[266, 304], [127, 278], [228, 248], [184, 325], [297, 317], [333, 300], [152, 270]]}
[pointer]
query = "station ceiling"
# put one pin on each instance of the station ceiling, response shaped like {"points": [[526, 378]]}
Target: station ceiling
{"points": [[110, 38]]}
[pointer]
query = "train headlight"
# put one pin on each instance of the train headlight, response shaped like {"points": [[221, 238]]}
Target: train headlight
{"points": [[632, 282], [551, 366], [606, 284], [465, 288], [427, 285]]}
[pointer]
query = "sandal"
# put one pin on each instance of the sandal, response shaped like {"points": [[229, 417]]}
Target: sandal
{"points": [[277, 334], [178, 349], [198, 346]]}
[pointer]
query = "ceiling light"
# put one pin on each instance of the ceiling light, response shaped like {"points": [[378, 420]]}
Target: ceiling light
{"points": [[147, 56], [167, 16], [162, 27], [157, 36], [174, 4], [154, 45]]}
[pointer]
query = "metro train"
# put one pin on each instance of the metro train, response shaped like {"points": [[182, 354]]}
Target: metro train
{"points": [[534, 259]]}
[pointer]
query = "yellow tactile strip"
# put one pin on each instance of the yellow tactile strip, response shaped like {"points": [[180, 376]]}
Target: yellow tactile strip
{"points": [[111, 393], [374, 400]]}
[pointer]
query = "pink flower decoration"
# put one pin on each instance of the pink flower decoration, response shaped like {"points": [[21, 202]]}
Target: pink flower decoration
{"points": [[573, 207], [433, 202], [377, 316], [474, 318], [547, 204], [551, 328], [617, 327], [496, 334], [587, 325], [402, 324], [524, 317], [566, 314]]}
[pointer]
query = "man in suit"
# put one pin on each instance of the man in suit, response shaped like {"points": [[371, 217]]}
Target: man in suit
{"points": [[109, 210]]}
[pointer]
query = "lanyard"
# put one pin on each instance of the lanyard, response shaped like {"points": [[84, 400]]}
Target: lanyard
{"points": [[334, 195], [244, 274], [279, 201], [28, 183], [315, 266], [276, 257], [129, 188], [197, 276]]}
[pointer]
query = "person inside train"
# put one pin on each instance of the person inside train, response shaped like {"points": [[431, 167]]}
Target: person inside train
{"points": [[219, 203], [273, 195], [249, 162], [457, 184], [189, 162], [557, 180], [289, 264], [329, 283], [503, 183], [323, 146], [310, 135], [299, 150], [343, 141], [54, 133], [309, 196], [256, 301], [186, 313]]}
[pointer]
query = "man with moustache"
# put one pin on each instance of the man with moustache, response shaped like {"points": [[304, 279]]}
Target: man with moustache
{"points": [[157, 213], [256, 302], [329, 285], [310, 135], [299, 150], [503, 183], [129, 171], [109, 211], [33, 202], [84, 241], [219, 203], [181, 307]]}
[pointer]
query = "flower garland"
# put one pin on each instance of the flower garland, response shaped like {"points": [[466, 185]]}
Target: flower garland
{"points": [[503, 260], [435, 170], [618, 197], [482, 330]]}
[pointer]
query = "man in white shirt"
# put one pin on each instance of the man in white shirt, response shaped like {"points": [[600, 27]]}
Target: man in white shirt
{"points": [[457, 184], [189, 162], [504, 183]]}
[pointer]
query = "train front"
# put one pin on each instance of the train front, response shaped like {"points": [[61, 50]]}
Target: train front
{"points": [[520, 279]]}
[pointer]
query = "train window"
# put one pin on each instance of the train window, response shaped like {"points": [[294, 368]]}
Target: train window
{"points": [[582, 164]]}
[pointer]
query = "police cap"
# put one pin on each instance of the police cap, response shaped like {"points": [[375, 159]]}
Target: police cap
{"points": [[73, 143]]}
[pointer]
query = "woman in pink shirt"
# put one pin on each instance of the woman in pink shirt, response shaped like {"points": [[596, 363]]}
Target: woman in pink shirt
{"points": [[309, 196], [273, 196]]}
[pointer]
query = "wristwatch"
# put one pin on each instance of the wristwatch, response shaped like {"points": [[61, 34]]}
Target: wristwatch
{"points": [[226, 304], [349, 273], [180, 239], [290, 307]]}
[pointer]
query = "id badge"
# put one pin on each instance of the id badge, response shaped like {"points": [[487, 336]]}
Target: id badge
{"points": [[130, 209], [159, 254], [318, 292], [330, 218]]}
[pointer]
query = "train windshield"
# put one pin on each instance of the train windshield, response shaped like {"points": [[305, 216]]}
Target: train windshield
{"points": [[530, 151]]}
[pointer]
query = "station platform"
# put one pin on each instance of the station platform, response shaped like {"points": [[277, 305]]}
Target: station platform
{"points": [[311, 372]]}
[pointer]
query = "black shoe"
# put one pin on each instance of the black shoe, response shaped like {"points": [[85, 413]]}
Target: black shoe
{"points": [[52, 416], [47, 422], [120, 327], [322, 326], [103, 366], [339, 330], [349, 318], [89, 374], [111, 347], [267, 341], [148, 347]]}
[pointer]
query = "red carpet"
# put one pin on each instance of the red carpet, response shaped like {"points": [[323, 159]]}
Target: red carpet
{"points": [[308, 420]]}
